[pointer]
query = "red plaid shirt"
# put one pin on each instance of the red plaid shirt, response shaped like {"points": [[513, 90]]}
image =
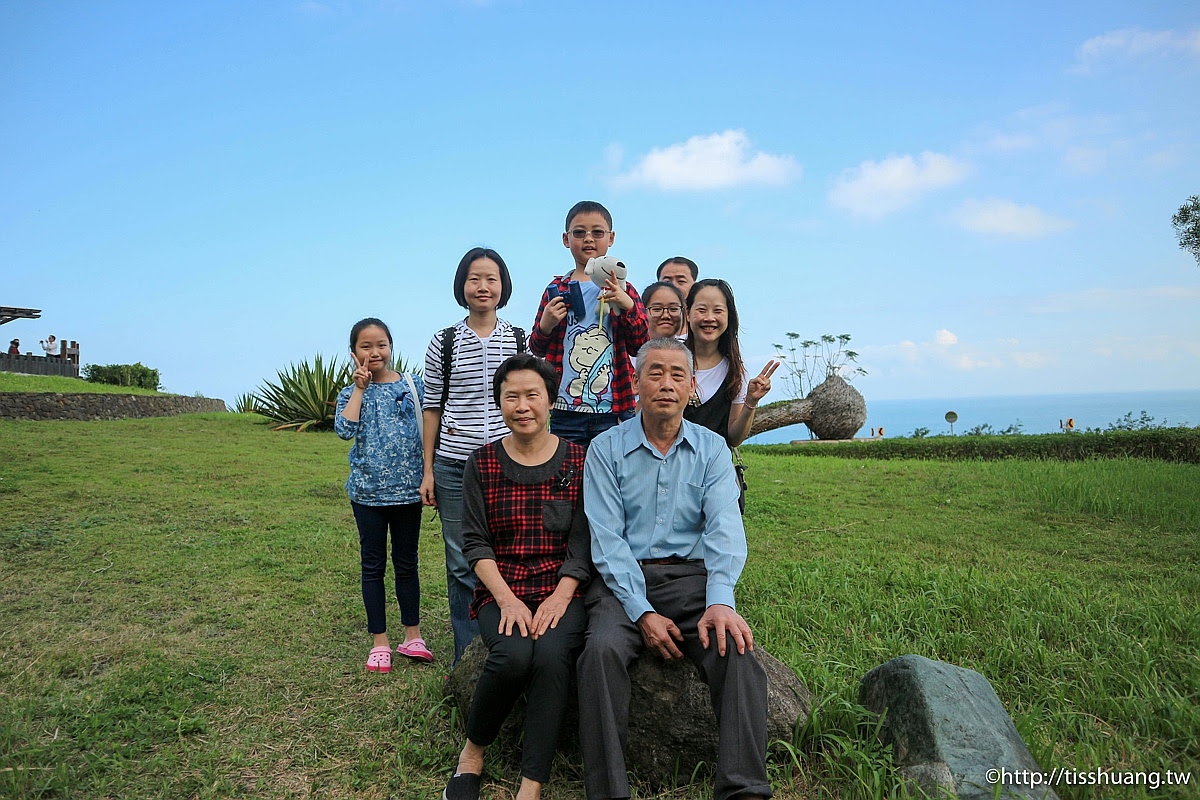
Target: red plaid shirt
{"points": [[536, 532], [630, 331]]}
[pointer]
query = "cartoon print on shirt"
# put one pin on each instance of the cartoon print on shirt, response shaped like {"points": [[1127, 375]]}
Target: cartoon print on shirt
{"points": [[591, 355]]}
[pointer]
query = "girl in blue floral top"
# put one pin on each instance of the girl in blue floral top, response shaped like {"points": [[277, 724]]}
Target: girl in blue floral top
{"points": [[379, 411]]}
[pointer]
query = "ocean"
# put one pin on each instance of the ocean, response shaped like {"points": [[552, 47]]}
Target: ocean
{"points": [[1036, 413]]}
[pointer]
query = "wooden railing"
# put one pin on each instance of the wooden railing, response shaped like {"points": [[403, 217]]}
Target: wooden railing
{"points": [[65, 363]]}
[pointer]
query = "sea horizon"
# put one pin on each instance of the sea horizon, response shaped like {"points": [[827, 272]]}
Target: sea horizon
{"points": [[1043, 413]]}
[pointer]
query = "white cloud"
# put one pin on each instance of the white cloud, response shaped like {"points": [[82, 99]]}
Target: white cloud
{"points": [[946, 351], [1102, 300], [314, 8], [1085, 160], [1135, 43], [1144, 348], [877, 188], [1006, 218], [1031, 360], [1170, 156], [965, 361], [1010, 142], [718, 161], [1088, 142]]}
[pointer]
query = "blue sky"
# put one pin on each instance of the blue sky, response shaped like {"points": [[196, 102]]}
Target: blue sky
{"points": [[979, 193]]}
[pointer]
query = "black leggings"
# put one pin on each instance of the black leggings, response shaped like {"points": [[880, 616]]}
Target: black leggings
{"points": [[405, 523], [541, 669]]}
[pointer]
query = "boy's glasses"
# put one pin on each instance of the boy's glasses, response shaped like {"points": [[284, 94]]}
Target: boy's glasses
{"points": [[595, 233], [664, 311]]}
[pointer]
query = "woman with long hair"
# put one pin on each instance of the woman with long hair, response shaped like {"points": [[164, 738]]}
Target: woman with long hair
{"points": [[725, 400]]}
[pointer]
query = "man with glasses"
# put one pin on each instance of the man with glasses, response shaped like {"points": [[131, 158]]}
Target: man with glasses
{"points": [[682, 273], [589, 347]]}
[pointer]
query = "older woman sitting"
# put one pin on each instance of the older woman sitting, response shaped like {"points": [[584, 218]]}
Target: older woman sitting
{"points": [[526, 537]]}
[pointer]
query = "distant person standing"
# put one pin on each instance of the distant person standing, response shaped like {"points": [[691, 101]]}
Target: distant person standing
{"points": [[14, 347], [682, 272], [50, 346]]}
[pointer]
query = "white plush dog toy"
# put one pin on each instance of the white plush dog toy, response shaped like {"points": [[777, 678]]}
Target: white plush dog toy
{"points": [[604, 267]]}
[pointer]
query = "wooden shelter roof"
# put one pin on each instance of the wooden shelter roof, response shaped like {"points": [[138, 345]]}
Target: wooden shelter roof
{"points": [[8, 314]]}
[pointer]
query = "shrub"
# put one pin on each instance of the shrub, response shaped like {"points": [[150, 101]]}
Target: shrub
{"points": [[1143, 422], [804, 368], [305, 396], [986, 429], [1166, 444], [138, 375], [245, 404]]}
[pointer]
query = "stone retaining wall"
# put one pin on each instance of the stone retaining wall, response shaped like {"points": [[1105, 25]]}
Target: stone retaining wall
{"points": [[46, 405]]}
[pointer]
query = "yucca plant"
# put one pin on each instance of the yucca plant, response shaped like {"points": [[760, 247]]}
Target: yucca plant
{"points": [[305, 396], [245, 404]]}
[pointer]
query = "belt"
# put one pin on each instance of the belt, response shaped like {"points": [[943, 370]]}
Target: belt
{"points": [[661, 562]]}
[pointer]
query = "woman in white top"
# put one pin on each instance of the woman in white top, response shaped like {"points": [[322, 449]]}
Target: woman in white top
{"points": [[725, 400], [460, 416]]}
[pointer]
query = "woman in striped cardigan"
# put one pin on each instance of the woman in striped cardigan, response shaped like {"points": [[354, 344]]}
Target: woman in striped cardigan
{"points": [[459, 414]]}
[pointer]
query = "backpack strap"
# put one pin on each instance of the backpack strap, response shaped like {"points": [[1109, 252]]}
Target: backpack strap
{"points": [[447, 359], [519, 335], [412, 388], [447, 365]]}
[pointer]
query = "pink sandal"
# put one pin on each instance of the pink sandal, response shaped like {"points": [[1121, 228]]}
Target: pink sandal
{"points": [[380, 659], [416, 650]]}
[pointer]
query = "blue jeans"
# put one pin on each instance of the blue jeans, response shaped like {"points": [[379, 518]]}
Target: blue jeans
{"points": [[460, 578], [580, 427], [373, 523]]}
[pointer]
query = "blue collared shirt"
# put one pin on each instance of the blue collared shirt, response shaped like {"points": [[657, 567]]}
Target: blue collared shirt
{"points": [[642, 505]]}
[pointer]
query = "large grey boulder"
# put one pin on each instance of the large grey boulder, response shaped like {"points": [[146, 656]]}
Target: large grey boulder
{"points": [[672, 727], [949, 733]]}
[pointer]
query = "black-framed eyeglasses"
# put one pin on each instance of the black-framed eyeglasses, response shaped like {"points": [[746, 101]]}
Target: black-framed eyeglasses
{"points": [[664, 311], [595, 233]]}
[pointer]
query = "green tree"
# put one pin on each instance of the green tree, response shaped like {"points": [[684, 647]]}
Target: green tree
{"points": [[814, 361], [1187, 226]]}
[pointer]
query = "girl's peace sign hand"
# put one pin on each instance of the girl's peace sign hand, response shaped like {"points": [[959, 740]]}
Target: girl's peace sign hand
{"points": [[362, 375], [760, 384]]}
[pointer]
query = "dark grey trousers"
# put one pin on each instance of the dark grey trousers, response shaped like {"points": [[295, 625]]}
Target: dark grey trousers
{"points": [[738, 684]]}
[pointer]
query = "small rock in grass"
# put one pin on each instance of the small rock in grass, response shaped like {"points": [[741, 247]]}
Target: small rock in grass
{"points": [[949, 733]]}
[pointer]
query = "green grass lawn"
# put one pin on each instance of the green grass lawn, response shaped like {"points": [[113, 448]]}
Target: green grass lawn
{"points": [[180, 614], [12, 382]]}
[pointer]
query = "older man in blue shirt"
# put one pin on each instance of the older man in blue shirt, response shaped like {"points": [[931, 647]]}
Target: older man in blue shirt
{"points": [[668, 541]]}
